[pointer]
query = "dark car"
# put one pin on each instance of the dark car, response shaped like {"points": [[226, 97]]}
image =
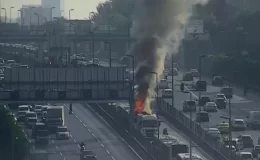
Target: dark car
{"points": [[247, 141], [221, 103], [200, 85], [203, 100], [256, 150], [202, 116], [217, 81], [187, 77], [227, 91]]}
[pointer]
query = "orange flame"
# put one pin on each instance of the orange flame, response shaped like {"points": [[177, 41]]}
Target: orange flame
{"points": [[139, 105]]}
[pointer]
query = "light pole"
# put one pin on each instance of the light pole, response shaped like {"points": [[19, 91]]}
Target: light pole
{"points": [[5, 13], [21, 16], [11, 13], [133, 82], [75, 43], [38, 18], [69, 12], [190, 127], [157, 94], [90, 20], [172, 83], [93, 46], [51, 11], [110, 56], [200, 72], [31, 16], [109, 23]]}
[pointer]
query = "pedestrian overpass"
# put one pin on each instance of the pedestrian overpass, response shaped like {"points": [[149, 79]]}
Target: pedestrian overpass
{"points": [[67, 84]]}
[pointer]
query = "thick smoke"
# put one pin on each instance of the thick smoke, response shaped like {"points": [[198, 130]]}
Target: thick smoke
{"points": [[159, 27]]}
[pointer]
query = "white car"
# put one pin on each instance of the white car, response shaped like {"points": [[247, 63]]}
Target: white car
{"points": [[194, 72], [62, 132], [245, 156], [163, 84], [38, 110], [233, 148], [220, 95], [31, 119], [214, 132], [210, 107], [167, 93], [239, 124]]}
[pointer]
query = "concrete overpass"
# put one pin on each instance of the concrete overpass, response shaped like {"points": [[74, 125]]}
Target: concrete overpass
{"points": [[43, 37]]}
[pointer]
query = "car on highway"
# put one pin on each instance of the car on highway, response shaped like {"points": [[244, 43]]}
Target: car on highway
{"points": [[176, 65], [221, 103], [24, 108], [245, 156], [38, 110], [238, 124], [256, 150], [253, 119], [223, 127], [233, 148], [95, 60], [189, 106], [202, 116], [214, 132], [163, 84], [186, 156], [31, 119], [227, 91], [37, 127], [194, 72], [199, 85], [174, 71], [187, 77], [167, 93], [220, 95], [238, 143], [210, 107], [21, 116], [217, 81], [203, 100], [247, 141], [62, 132]]}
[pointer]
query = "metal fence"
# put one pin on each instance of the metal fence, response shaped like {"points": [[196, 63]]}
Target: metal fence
{"points": [[195, 131]]}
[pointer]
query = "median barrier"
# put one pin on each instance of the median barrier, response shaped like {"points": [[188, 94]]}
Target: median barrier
{"points": [[194, 130], [142, 146]]}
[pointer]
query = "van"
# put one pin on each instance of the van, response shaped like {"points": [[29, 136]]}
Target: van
{"points": [[253, 119]]}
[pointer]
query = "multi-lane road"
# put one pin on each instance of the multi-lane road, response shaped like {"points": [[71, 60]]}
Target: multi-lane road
{"points": [[240, 106]]}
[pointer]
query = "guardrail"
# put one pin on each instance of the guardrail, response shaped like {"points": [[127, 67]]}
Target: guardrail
{"points": [[143, 147], [195, 131]]}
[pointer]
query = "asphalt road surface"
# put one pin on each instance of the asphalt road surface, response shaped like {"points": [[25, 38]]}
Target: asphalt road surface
{"points": [[240, 106]]}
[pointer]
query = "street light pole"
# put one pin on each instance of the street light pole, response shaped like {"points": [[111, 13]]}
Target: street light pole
{"points": [[21, 16], [69, 12], [5, 13], [109, 23], [133, 82], [90, 20], [38, 18], [51, 12], [157, 110], [110, 56], [172, 83], [93, 46], [11, 13], [31, 16]]}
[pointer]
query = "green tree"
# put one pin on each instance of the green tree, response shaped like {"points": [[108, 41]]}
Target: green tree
{"points": [[11, 137]]}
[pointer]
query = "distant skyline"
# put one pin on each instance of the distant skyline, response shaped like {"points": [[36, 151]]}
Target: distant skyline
{"points": [[82, 8]]}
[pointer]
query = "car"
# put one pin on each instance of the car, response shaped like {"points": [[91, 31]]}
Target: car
{"points": [[220, 95], [24, 108], [62, 132], [227, 91], [21, 116], [245, 156], [233, 148], [199, 85], [38, 110], [237, 143], [38, 126], [247, 141], [202, 116], [256, 150], [187, 77], [223, 127], [175, 65], [221, 103], [174, 71], [214, 132], [163, 84], [238, 124], [194, 72], [189, 106], [167, 93], [210, 107], [31, 119], [217, 81], [203, 100]]}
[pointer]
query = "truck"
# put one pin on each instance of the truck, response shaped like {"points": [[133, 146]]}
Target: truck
{"points": [[54, 117], [38, 155], [88, 155]]}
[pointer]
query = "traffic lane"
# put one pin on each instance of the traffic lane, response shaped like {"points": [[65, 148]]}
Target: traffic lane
{"points": [[56, 156], [81, 133], [111, 141], [182, 138]]}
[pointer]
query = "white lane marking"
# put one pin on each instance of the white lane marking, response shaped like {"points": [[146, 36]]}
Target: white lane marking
{"points": [[33, 147], [113, 158], [52, 141], [74, 141], [62, 155], [84, 125], [56, 147], [102, 145], [108, 152], [64, 158], [76, 116], [116, 133], [80, 121]]}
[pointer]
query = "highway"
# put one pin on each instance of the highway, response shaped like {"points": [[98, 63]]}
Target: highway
{"points": [[240, 106]]}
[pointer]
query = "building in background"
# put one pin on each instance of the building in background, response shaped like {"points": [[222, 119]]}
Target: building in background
{"points": [[31, 13], [56, 12]]}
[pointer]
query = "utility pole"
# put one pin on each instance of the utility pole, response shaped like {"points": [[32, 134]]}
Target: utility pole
{"points": [[172, 84], [190, 127]]}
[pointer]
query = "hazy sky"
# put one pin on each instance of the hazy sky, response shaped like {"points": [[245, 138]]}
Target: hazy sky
{"points": [[81, 7]]}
